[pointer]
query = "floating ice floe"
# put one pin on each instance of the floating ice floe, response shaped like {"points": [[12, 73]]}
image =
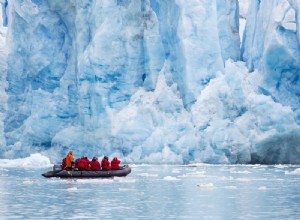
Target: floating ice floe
{"points": [[280, 166], [170, 178], [206, 186], [72, 189], [294, 172], [262, 188], [147, 175], [28, 182], [230, 187], [33, 161]]}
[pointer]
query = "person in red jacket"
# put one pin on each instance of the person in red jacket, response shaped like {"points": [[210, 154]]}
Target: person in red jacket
{"points": [[64, 164], [76, 163], [80, 163], [105, 163], [95, 165], [86, 163], [115, 164]]}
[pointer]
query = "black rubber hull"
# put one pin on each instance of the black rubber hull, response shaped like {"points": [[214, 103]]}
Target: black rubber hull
{"points": [[88, 174]]}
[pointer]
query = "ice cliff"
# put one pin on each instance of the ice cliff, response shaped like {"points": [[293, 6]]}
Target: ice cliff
{"points": [[158, 81]]}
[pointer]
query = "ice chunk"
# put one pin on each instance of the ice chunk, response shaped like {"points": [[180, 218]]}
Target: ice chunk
{"points": [[294, 172], [206, 186], [170, 178], [34, 161]]}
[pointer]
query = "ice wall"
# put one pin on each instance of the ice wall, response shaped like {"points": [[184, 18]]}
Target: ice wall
{"points": [[147, 81], [240, 125], [3, 70], [272, 45], [39, 63]]}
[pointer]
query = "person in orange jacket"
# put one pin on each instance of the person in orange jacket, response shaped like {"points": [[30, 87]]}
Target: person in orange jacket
{"points": [[105, 163], [69, 160], [95, 165], [115, 164]]}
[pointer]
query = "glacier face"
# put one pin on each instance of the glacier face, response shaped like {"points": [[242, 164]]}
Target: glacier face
{"points": [[271, 45], [151, 80]]}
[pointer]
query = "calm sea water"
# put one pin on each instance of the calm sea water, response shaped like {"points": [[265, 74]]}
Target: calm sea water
{"points": [[155, 192]]}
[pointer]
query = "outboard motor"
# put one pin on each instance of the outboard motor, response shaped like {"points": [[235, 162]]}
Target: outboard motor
{"points": [[57, 168]]}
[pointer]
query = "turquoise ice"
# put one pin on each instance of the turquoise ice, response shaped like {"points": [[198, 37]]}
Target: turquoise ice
{"points": [[160, 81]]}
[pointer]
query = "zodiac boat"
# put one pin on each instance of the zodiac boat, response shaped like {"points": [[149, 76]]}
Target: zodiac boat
{"points": [[59, 172]]}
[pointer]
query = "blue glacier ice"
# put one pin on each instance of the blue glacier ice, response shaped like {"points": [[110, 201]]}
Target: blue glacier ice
{"points": [[3, 82], [271, 45], [154, 81]]}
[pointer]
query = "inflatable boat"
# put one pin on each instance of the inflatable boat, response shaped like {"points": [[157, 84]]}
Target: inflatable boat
{"points": [[59, 172]]}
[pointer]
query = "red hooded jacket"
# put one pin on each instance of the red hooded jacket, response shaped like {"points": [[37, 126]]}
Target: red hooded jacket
{"points": [[86, 164], [95, 165], [80, 164], [105, 164], [64, 163], [115, 164]]}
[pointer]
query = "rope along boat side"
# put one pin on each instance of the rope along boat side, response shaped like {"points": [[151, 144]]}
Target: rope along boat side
{"points": [[59, 172]]}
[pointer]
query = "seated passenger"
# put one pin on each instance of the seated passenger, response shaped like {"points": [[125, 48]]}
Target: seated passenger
{"points": [[87, 164], [76, 162], [64, 164], [105, 163], [69, 160], [115, 164], [80, 163], [95, 165]]}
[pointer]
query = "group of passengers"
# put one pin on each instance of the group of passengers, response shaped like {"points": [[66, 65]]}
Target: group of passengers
{"points": [[84, 163]]}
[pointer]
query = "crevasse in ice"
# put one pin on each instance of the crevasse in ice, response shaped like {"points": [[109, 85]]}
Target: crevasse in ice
{"points": [[158, 81]]}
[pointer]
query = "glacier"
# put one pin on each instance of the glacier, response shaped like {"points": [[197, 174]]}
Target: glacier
{"points": [[151, 81]]}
